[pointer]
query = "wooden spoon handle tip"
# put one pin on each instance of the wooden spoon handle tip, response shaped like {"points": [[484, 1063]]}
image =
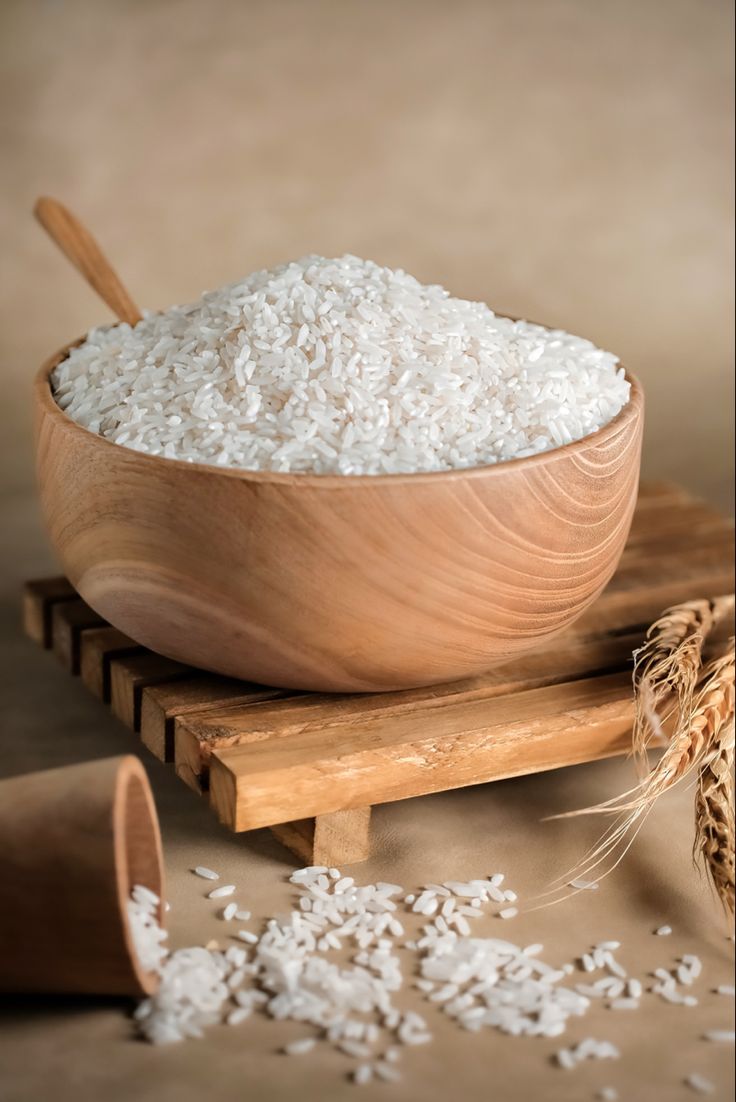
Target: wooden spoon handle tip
{"points": [[79, 246]]}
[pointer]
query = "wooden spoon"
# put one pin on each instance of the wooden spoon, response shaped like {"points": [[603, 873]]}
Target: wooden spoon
{"points": [[78, 244]]}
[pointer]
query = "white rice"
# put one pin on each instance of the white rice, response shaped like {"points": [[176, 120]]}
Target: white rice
{"points": [[298, 1048], [338, 366], [700, 1084], [288, 972], [221, 893], [387, 1072], [148, 937], [191, 995], [205, 873], [589, 1049]]}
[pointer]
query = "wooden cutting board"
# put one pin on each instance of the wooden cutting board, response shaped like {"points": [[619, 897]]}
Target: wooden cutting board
{"points": [[309, 766]]}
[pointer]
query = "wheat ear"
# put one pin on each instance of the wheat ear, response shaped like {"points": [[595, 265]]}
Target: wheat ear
{"points": [[701, 740], [667, 667], [714, 798]]}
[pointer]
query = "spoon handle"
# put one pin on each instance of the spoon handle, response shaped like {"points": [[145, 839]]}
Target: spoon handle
{"points": [[79, 246]]}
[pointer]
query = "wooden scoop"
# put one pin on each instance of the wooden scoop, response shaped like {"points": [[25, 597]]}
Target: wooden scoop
{"points": [[78, 244], [74, 842]]}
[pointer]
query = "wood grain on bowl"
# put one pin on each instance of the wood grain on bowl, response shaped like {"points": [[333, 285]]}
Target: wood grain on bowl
{"points": [[337, 583]]}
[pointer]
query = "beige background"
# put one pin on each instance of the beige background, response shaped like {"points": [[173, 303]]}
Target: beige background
{"points": [[564, 159]]}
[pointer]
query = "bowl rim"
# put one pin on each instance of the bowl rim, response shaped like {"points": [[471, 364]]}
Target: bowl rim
{"points": [[632, 411]]}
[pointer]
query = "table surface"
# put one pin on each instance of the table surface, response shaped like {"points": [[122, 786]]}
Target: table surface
{"points": [[568, 161], [88, 1047]]}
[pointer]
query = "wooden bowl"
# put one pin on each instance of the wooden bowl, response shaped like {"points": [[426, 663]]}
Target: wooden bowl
{"points": [[337, 583]]}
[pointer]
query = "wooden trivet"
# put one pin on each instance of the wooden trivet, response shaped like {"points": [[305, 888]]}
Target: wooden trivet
{"points": [[309, 765]]}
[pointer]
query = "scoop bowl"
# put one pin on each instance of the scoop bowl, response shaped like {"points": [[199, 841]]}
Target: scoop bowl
{"points": [[339, 584]]}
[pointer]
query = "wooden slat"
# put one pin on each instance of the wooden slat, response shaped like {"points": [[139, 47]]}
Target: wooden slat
{"points": [[197, 735], [341, 838], [299, 838], [663, 494], [693, 522], [321, 767], [621, 611], [191, 755], [130, 676], [162, 705], [68, 620], [98, 647], [38, 599], [686, 558]]}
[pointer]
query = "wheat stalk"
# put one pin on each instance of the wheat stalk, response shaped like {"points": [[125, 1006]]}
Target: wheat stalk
{"points": [[714, 802], [667, 667], [704, 742], [668, 670], [697, 734]]}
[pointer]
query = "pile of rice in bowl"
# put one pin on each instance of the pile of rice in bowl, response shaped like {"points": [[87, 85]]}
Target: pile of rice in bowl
{"points": [[338, 367]]}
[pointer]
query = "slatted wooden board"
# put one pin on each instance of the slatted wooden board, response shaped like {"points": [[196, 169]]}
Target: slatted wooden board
{"points": [[309, 766]]}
